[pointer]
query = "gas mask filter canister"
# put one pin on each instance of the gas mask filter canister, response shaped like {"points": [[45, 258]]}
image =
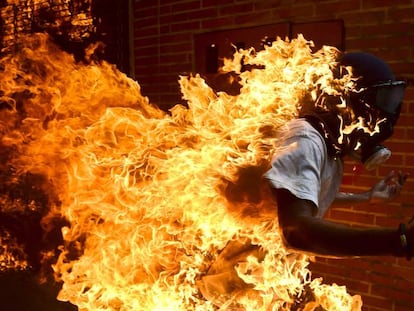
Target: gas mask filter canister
{"points": [[374, 157]]}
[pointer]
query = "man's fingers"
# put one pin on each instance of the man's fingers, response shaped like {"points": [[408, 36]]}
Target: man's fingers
{"points": [[389, 177], [392, 178]]}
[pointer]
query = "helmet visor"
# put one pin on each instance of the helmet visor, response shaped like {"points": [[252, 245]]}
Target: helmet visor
{"points": [[389, 96]]}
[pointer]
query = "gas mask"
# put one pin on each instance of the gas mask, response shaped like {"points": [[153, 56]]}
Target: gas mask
{"points": [[387, 98]]}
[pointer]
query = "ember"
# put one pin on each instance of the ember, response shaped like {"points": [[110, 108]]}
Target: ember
{"points": [[151, 198]]}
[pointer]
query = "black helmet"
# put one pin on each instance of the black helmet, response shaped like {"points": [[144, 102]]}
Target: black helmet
{"points": [[376, 85]]}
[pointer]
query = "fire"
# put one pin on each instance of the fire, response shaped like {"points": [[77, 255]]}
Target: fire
{"points": [[12, 256], [150, 197]]}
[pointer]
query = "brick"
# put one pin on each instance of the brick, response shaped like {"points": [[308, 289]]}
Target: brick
{"points": [[408, 106], [401, 13], [387, 29], [173, 58], [265, 17], [365, 17], [402, 54], [357, 263], [405, 120], [174, 18], [265, 5], [149, 21], [207, 3], [353, 31], [165, 9], [148, 32], [175, 47], [294, 12], [382, 278], [176, 69], [387, 221], [400, 133], [357, 286], [375, 4], [236, 9], [394, 293], [144, 60], [204, 14], [198, 15], [396, 160], [148, 41], [185, 6], [400, 146], [409, 91], [218, 23], [353, 217], [169, 38], [401, 306], [409, 160], [378, 210], [379, 303], [165, 29], [169, 100], [363, 182], [337, 6], [144, 51], [329, 269], [367, 44], [405, 67], [406, 277], [144, 12]]}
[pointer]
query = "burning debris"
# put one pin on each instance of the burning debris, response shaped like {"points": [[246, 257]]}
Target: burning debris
{"points": [[134, 205]]}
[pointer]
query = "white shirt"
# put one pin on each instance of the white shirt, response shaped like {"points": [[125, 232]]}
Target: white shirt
{"points": [[302, 166]]}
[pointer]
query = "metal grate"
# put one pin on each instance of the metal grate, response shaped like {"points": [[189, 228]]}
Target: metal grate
{"points": [[73, 24], [68, 19]]}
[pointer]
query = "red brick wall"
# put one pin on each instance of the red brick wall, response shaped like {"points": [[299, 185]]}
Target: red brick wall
{"points": [[164, 46]]}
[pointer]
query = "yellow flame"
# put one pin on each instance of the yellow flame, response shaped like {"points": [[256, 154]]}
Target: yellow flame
{"points": [[144, 191], [12, 256]]}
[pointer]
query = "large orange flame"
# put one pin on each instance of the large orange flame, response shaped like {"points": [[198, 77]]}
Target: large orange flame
{"points": [[145, 192]]}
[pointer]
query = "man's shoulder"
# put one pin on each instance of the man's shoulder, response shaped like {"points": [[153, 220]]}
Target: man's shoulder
{"points": [[300, 127], [302, 132]]}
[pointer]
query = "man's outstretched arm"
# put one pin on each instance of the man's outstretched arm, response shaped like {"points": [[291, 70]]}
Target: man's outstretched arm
{"points": [[385, 190], [302, 231]]}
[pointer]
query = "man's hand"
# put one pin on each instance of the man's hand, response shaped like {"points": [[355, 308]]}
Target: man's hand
{"points": [[388, 188]]}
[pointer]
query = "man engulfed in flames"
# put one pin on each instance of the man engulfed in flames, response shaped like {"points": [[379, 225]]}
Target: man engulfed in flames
{"points": [[306, 172], [166, 211]]}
